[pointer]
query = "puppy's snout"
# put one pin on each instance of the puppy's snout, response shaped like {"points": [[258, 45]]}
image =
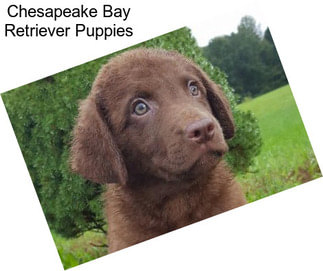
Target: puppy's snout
{"points": [[200, 131]]}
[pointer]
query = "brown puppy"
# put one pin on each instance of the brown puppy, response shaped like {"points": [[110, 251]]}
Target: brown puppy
{"points": [[154, 128]]}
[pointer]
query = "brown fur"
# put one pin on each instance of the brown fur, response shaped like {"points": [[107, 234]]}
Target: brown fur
{"points": [[164, 167]]}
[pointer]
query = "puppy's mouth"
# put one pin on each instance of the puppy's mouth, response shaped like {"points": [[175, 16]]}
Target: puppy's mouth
{"points": [[206, 156], [210, 148], [195, 161]]}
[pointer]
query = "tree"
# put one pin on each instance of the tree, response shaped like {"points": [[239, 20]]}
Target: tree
{"points": [[43, 114], [274, 73], [249, 58], [248, 26]]}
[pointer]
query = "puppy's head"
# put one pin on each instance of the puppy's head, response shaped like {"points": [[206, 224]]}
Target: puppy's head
{"points": [[150, 113]]}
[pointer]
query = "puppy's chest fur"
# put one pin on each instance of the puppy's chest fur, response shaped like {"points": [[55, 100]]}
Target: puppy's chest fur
{"points": [[184, 208], [133, 217], [160, 216]]}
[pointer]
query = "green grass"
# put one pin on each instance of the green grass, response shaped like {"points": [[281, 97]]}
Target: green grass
{"points": [[79, 250], [286, 158]]}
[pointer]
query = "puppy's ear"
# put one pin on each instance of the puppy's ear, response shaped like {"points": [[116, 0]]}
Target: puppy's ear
{"points": [[219, 104], [220, 108], [94, 154]]}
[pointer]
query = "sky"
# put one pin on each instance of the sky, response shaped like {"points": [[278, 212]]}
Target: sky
{"points": [[222, 24]]}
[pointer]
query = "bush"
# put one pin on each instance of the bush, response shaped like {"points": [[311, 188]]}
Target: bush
{"points": [[43, 114]]}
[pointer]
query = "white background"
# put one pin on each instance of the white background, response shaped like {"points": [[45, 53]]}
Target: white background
{"points": [[281, 232]]}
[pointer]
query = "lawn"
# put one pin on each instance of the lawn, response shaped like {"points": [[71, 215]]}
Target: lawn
{"points": [[286, 157], [75, 251]]}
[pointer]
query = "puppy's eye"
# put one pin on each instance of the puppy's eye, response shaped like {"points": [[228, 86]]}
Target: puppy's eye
{"points": [[193, 88], [140, 108]]}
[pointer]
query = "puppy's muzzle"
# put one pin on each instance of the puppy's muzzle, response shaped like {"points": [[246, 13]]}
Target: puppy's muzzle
{"points": [[202, 132]]}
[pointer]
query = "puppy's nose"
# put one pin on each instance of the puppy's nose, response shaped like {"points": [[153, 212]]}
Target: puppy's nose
{"points": [[200, 131]]}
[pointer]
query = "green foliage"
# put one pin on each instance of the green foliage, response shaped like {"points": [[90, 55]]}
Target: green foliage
{"points": [[274, 72], [250, 60], [43, 114], [287, 158], [246, 145]]}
